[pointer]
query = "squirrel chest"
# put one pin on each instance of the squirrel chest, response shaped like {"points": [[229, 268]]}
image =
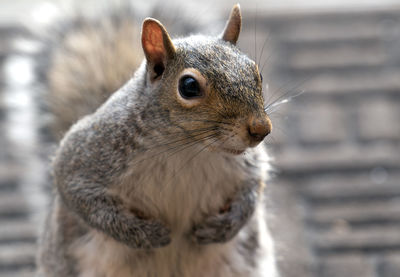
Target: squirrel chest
{"points": [[180, 192], [180, 189]]}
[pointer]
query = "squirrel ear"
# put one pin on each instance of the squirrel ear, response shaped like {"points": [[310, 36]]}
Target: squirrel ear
{"points": [[233, 26], [157, 46]]}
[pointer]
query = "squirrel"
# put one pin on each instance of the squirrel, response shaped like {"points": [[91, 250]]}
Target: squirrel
{"points": [[166, 177]]}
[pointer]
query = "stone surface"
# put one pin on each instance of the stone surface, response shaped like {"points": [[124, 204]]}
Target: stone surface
{"points": [[390, 266], [17, 256], [322, 122], [347, 266], [376, 119]]}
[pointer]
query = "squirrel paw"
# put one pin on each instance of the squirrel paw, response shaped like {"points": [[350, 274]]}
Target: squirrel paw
{"points": [[147, 234], [223, 226]]}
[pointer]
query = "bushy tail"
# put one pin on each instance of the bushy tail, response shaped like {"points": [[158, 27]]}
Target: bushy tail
{"points": [[92, 57], [91, 62]]}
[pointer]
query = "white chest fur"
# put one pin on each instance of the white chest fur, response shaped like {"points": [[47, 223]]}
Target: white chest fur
{"points": [[179, 190]]}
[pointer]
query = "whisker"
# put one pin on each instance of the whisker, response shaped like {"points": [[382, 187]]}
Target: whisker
{"points": [[255, 35], [288, 92], [282, 100], [179, 140], [191, 158], [192, 144], [287, 96], [266, 61], [212, 121], [262, 49], [275, 114], [185, 119], [197, 139], [190, 132], [278, 90]]}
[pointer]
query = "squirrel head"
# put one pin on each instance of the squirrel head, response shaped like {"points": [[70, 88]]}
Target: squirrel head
{"points": [[206, 87]]}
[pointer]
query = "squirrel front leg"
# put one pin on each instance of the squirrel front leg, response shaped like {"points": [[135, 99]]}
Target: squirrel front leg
{"points": [[107, 213], [223, 226]]}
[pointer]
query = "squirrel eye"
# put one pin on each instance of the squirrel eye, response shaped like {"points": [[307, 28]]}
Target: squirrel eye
{"points": [[189, 87], [261, 77]]}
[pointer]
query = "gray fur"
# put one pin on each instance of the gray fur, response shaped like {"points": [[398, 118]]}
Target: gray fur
{"points": [[141, 181], [224, 226]]}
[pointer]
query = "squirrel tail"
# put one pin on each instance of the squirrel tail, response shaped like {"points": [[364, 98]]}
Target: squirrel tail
{"points": [[91, 61], [92, 57]]}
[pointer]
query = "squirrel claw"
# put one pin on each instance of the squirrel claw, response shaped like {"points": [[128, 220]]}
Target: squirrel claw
{"points": [[148, 234], [223, 226], [217, 229]]}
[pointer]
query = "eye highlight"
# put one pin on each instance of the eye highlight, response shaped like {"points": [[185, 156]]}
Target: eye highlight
{"points": [[189, 87]]}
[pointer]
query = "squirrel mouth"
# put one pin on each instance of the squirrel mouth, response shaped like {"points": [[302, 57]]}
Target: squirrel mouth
{"points": [[233, 151]]}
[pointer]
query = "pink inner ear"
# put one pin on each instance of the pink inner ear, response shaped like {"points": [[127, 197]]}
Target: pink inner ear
{"points": [[153, 43]]}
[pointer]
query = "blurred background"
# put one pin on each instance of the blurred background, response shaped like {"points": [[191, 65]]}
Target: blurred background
{"points": [[334, 200]]}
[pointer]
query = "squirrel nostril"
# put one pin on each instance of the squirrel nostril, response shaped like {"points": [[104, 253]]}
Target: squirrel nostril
{"points": [[259, 130]]}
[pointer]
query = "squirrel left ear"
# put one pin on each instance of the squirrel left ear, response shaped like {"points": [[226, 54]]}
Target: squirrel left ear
{"points": [[157, 46], [233, 26]]}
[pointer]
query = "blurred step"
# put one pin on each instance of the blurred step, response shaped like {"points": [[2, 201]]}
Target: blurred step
{"points": [[8, 184], [377, 119], [13, 205], [8, 34], [344, 83], [375, 185], [362, 214], [12, 231], [294, 45], [341, 82], [17, 257], [390, 266], [326, 26], [295, 161], [348, 240], [353, 265], [336, 56], [324, 30], [19, 273]]}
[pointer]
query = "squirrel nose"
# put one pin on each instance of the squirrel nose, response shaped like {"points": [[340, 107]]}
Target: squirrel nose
{"points": [[259, 128]]}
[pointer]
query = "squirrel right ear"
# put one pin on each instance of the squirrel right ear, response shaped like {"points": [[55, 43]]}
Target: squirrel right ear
{"points": [[157, 46], [233, 26]]}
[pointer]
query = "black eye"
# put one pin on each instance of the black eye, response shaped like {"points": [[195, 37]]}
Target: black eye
{"points": [[189, 87], [261, 77]]}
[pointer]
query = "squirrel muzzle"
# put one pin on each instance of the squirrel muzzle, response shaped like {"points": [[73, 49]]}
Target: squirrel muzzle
{"points": [[258, 128]]}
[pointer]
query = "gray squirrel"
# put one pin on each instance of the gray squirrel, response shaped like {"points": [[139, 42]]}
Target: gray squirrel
{"points": [[166, 177]]}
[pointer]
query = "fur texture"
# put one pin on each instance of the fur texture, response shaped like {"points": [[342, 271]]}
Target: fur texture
{"points": [[152, 184]]}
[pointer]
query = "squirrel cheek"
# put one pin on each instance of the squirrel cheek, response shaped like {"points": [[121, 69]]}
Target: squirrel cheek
{"points": [[185, 103]]}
